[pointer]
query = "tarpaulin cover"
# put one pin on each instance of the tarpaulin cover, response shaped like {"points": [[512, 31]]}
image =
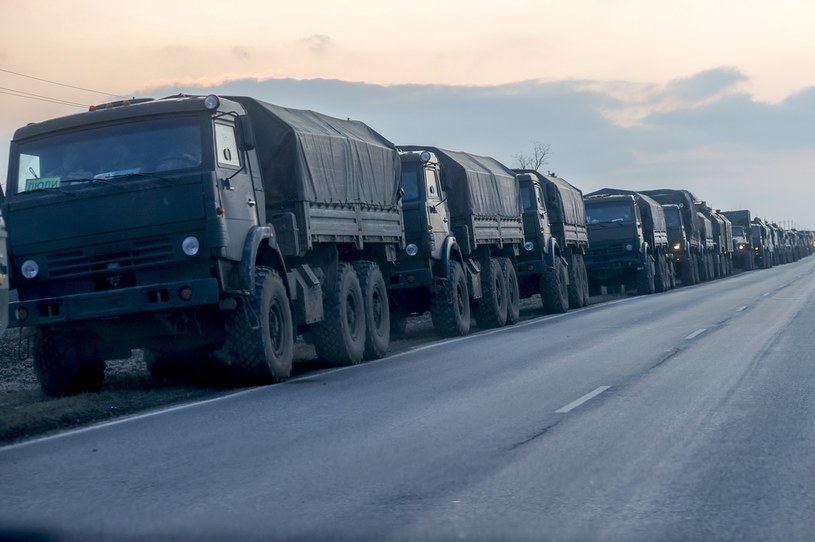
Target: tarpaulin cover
{"points": [[651, 211], [476, 185], [308, 156], [568, 199]]}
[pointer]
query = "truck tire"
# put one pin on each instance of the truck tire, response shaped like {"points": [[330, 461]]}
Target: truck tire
{"points": [[340, 338], [491, 309], [702, 265], [450, 308], [377, 311], [259, 332], [513, 291], [661, 279], [575, 289], [584, 276], [645, 278], [66, 363], [555, 289]]}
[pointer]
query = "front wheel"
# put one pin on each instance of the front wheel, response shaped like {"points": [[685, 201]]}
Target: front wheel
{"points": [[259, 333], [66, 363], [555, 288]]}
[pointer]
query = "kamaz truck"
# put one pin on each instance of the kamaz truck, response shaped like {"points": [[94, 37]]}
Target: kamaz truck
{"points": [[556, 239], [761, 235], [200, 227], [698, 230], [628, 242], [744, 249], [463, 231]]}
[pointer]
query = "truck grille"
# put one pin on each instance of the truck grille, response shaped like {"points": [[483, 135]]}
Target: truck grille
{"points": [[127, 256], [611, 250]]}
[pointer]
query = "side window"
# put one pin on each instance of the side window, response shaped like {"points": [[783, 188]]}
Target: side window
{"points": [[226, 146], [432, 184]]}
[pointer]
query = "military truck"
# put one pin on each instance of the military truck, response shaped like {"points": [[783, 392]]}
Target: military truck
{"points": [[463, 228], [761, 236], [552, 262], [200, 226], [744, 250], [721, 251], [684, 261], [698, 230], [628, 242]]}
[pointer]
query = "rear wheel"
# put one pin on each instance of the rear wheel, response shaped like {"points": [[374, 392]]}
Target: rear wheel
{"points": [[259, 332], [576, 295], [662, 281], [66, 363], [377, 312], [513, 292], [491, 309], [340, 337], [554, 288], [450, 310]]}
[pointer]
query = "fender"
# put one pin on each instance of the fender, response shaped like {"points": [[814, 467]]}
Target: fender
{"points": [[260, 238], [448, 251], [551, 252], [644, 252]]}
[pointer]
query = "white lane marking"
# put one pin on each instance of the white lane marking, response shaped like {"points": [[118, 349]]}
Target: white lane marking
{"points": [[741, 308], [574, 404], [765, 294], [695, 334]]}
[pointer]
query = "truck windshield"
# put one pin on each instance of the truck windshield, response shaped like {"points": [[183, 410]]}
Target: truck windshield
{"points": [[672, 219], [598, 214], [410, 182], [107, 152]]}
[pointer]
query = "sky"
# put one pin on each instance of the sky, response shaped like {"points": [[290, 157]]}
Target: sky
{"points": [[716, 97]]}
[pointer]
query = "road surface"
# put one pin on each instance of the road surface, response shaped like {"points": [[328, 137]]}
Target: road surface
{"points": [[685, 415]]}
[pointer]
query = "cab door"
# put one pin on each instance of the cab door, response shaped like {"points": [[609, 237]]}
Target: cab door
{"points": [[438, 219], [236, 192]]}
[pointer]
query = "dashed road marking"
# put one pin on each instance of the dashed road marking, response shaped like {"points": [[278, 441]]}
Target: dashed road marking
{"points": [[576, 403], [695, 334], [741, 308]]}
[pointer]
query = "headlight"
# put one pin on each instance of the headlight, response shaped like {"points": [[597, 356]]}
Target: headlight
{"points": [[212, 102], [529, 245], [629, 247], [30, 269], [412, 249], [677, 246], [190, 245]]}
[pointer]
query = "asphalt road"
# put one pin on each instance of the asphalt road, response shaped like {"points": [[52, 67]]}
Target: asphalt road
{"points": [[678, 416]]}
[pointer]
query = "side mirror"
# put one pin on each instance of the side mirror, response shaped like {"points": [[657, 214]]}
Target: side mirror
{"points": [[247, 134]]}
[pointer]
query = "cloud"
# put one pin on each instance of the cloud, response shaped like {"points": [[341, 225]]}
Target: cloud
{"points": [[317, 44], [703, 132]]}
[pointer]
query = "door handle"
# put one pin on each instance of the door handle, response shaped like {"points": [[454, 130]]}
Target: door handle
{"points": [[445, 220], [251, 203]]}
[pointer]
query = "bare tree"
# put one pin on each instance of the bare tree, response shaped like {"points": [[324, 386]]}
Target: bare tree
{"points": [[540, 155]]}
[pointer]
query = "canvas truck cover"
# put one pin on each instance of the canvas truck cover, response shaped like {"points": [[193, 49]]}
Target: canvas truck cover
{"points": [[559, 193], [476, 185], [308, 156], [740, 217]]}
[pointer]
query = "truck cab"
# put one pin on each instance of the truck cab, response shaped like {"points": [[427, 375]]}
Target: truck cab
{"points": [[618, 252]]}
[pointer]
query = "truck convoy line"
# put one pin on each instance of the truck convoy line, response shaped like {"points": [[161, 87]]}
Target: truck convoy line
{"points": [[218, 229]]}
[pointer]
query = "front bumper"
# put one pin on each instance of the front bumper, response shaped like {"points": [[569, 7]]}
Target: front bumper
{"points": [[112, 303]]}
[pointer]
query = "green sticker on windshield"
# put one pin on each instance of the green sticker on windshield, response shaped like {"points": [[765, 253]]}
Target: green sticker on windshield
{"points": [[41, 183]]}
